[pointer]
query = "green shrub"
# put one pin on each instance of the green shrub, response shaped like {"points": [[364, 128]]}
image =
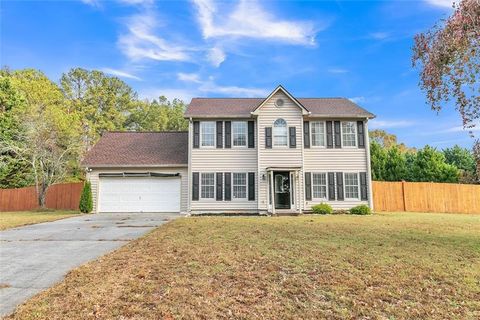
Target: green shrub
{"points": [[86, 202], [361, 209], [322, 208]]}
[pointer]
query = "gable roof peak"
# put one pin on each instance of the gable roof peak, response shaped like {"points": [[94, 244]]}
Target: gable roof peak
{"points": [[280, 87]]}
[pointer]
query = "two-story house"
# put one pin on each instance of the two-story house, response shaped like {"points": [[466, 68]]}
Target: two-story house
{"points": [[268, 155]]}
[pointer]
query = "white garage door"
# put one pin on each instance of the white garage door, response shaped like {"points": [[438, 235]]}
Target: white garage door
{"points": [[139, 194]]}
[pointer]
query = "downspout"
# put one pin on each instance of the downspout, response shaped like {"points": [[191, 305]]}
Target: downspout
{"points": [[369, 169], [189, 180]]}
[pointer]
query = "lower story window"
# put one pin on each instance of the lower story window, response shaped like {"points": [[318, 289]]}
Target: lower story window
{"points": [[239, 185], [351, 185], [208, 185], [319, 185]]}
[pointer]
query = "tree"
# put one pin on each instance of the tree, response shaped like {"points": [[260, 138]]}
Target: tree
{"points": [[47, 135], [86, 202], [378, 159], [103, 103], [449, 56], [13, 171], [464, 160], [429, 165], [395, 165]]}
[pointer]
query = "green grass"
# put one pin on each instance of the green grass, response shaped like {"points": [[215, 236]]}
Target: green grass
{"points": [[21, 218], [385, 266]]}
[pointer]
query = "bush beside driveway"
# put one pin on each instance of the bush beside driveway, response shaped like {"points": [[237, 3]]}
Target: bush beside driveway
{"points": [[385, 266]]}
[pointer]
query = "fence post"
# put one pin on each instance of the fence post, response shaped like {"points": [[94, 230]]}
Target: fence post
{"points": [[403, 196]]}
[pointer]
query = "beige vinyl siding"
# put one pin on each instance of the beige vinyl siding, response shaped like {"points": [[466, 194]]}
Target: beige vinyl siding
{"points": [[345, 159], [279, 156], [234, 159], [94, 180]]}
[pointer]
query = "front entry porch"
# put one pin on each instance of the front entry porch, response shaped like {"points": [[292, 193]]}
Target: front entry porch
{"points": [[283, 191]]}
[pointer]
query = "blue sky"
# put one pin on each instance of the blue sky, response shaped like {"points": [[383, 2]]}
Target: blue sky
{"points": [[354, 49]]}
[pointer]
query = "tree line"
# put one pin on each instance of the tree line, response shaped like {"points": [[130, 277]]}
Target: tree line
{"points": [[393, 161], [46, 127]]}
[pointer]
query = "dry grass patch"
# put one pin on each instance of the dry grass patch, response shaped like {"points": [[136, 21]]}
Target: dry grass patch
{"points": [[21, 218], [386, 266]]}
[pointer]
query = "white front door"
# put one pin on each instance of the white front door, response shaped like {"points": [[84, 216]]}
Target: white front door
{"points": [[139, 194]]}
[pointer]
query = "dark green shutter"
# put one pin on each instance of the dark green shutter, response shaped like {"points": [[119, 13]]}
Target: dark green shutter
{"points": [[268, 137], [219, 186], [251, 134], [228, 134], [195, 186], [196, 134], [331, 186], [292, 131], [338, 134], [308, 186], [219, 134], [363, 186], [329, 134], [228, 186], [306, 134], [340, 186], [251, 186], [361, 134]]}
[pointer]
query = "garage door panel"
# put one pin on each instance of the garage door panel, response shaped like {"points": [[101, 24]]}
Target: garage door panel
{"points": [[139, 194]]}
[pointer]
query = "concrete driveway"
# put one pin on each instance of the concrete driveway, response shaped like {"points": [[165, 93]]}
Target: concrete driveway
{"points": [[33, 258]]}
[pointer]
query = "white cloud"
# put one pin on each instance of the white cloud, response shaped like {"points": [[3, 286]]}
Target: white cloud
{"points": [[442, 3], [388, 124], [216, 56], [93, 3], [120, 73], [357, 99], [153, 93], [211, 87], [250, 20], [189, 77], [379, 35], [141, 42], [337, 70], [462, 129]]}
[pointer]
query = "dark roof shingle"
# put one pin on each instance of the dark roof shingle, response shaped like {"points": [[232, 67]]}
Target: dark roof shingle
{"points": [[242, 107], [139, 148]]}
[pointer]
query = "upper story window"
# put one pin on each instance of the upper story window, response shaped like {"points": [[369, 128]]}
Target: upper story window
{"points": [[318, 133], [207, 133], [280, 137], [349, 134], [239, 133]]}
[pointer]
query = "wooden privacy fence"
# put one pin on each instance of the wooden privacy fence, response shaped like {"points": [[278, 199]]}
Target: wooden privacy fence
{"points": [[426, 197], [59, 196]]}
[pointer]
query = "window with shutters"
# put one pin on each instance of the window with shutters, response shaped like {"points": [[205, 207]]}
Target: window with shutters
{"points": [[319, 185], [351, 185], [318, 133], [349, 134], [280, 137], [239, 133], [207, 133], [239, 185], [207, 185]]}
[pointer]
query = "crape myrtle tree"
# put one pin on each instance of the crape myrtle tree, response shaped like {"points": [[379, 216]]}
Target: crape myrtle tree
{"points": [[449, 59]]}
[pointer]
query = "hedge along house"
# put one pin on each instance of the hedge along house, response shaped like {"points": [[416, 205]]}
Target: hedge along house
{"points": [[268, 155]]}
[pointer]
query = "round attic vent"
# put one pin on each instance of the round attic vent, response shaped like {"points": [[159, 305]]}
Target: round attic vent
{"points": [[279, 102]]}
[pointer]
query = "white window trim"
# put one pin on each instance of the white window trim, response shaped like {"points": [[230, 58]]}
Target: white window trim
{"points": [[273, 135], [324, 135], [246, 135], [342, 140], [326, 186], [214, 135], [246, 188], [345, 186], [214, 187]]}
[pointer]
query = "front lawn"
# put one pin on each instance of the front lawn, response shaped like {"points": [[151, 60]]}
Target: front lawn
{"points": [[385, 266], [20, 218]]}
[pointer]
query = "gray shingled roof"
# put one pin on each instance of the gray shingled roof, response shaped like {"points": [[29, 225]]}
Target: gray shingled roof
{"points": [[242, 107], [139, 148]]}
